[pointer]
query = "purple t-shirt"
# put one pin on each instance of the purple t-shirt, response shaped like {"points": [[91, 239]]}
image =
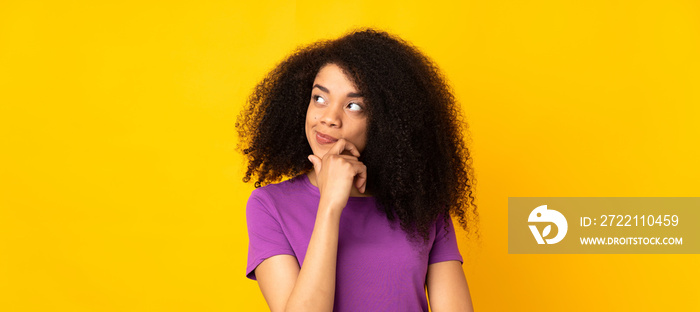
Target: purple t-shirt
{"points": [[379, 268]]}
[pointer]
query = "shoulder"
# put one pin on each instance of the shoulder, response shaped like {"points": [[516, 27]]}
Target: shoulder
{"points": [[293, 185], [280, 194]]}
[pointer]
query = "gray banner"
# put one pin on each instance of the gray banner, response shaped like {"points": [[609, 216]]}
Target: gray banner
{"points": [[604, 225]]}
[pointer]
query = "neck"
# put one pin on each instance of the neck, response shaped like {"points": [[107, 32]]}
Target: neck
{"points": [[354, 192]]}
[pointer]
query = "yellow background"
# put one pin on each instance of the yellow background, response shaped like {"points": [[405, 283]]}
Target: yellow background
{"points": [[121, 190]]}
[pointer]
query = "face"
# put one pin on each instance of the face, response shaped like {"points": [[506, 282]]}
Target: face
{"points": [[336, 111]]}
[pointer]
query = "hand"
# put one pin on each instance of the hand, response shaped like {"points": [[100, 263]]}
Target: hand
{"points": [[337, 173]]}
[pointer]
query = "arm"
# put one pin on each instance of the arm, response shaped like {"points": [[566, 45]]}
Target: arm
{"points": [[447, 287], [285, 286], [276, 277]]}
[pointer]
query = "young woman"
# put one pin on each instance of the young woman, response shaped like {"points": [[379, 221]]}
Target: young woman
{"points": [[372, 137]]}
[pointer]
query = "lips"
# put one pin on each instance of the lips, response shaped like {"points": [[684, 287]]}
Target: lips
{"points": [[324, 139]]}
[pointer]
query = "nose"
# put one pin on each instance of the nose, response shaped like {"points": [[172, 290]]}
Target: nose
{"points": [[331, 116]]}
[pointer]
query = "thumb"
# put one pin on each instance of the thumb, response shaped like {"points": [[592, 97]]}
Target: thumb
{"points": [[316, 162]]}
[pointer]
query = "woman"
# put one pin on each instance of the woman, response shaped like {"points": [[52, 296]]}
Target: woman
{"points": [[370, 132]]}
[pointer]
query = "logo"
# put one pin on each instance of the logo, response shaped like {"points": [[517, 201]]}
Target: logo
{"points": [[542, 214]]}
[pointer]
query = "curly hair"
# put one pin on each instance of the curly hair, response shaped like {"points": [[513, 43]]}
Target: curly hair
{"points": [[418, 165]]}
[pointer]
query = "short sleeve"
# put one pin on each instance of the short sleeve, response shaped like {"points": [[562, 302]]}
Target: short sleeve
{"points": [[445, 245], [265, 235]]}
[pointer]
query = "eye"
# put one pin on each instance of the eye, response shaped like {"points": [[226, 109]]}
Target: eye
{"points": [[354, 107], [318, 99]]}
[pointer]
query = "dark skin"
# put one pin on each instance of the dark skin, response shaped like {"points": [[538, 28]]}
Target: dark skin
{"points": [[339, 174], [336, 115], [409, 108]]}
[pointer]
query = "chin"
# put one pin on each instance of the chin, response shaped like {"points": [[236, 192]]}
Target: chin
{"points": [[320, 152]]}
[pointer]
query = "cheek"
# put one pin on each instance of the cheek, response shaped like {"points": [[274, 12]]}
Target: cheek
{"points": [[362, 135], [309, 122], [310, 114], [309, 117]]}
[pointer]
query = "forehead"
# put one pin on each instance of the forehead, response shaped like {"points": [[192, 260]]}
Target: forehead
{"points": [[334, 78]]}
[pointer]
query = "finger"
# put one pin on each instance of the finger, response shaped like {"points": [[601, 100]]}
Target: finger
{"points": [[316, 162], [343, 145], [350, 158], [360, 183], [360, 177], [359, 170]]}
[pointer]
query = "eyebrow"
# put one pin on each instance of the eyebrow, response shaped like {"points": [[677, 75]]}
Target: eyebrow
{"points": [[324, 89]]}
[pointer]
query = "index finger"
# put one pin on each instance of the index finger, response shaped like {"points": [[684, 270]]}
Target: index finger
{"points": [[343, 145]]}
